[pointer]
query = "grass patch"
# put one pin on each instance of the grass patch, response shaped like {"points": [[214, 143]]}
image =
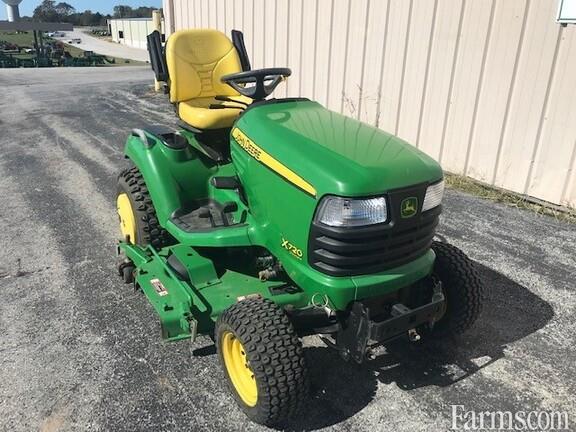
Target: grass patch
{"points": [[476, 188], [21, 39]]}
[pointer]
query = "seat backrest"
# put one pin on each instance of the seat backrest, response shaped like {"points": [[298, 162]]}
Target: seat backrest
{"points": [[196, 61]]}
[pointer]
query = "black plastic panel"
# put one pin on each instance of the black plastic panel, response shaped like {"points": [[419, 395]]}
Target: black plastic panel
{"points": [[157, 56], [349, 251], [238, 42]]}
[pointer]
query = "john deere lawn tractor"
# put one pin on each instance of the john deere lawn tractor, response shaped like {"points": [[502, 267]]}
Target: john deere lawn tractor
{"points": [[259, 221]]}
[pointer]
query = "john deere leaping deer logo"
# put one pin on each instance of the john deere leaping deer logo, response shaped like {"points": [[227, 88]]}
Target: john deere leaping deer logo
{"points": [[408, 207]]}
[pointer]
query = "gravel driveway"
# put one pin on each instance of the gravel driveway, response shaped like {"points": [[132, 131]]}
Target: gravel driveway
{"points": [[81, 351], [101, 46]]}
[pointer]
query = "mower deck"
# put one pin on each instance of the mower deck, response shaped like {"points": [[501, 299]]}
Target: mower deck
{"points": [[189, 297]]}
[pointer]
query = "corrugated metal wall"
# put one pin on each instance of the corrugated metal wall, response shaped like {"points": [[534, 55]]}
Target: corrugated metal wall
{"points": [[134, 31], [487, 87]]}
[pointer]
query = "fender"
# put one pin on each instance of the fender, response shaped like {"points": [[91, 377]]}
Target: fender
{"points": [[174, 176]]}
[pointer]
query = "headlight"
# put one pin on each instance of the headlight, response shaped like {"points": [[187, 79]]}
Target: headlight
{"points": [[337, 211], [433, 196]]}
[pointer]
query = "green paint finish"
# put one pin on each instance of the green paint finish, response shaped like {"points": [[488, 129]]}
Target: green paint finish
{"points": [[200, 270], [342, 290], [335, 154], [174, 177], [338, 156], [175, 304], [377, 284], [204, 297]]}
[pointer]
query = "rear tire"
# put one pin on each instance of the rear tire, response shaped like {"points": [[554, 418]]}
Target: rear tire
{"points": [[260, 336], [147, 229], [462, 288]]}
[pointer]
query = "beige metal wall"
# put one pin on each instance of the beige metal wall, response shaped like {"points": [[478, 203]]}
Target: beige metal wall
{"points": [[134, 31], [487, 87]]}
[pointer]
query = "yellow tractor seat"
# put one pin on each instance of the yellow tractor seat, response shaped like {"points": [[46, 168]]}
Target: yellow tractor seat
{"points": [[196, 60], [196, 112]]}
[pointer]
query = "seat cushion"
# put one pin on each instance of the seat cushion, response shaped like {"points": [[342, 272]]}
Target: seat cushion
{"points": [[196, 60], [196, 112]]}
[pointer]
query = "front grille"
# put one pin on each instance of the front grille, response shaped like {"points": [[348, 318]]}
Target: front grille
{"points": [[348, 251]]}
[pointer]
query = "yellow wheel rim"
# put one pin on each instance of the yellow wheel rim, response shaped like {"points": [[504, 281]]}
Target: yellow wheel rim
{"points": [[126, 215], [238, 368]]}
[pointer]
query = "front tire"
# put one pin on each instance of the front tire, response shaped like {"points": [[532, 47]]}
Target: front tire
{"points": [[263, 361], [462, 288]]}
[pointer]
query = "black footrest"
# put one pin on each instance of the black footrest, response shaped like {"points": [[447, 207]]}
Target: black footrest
{"points": [[225, 182], [205, 215], [229, 207]]}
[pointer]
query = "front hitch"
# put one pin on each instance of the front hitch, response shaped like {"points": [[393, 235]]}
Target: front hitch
{"points": [[359, 330]]}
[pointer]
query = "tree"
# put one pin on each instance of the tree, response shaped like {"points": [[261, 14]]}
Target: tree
{"points": [[97, 19], [46, 12], [50, 11], [64, 9], [85, 18], [122, 11], [143, 12]]}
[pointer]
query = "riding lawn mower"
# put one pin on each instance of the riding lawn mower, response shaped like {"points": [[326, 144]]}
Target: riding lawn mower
{"points": [[259, 221]]}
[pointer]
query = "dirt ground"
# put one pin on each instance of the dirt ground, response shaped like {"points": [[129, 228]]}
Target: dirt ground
{"points": [[81, 351]]}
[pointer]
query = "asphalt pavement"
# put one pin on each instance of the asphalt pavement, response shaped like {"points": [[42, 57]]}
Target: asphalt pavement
{"points": [[79, 350]]}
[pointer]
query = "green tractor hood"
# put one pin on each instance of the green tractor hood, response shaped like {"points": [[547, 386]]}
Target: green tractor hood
{"points": [[335, 154]]}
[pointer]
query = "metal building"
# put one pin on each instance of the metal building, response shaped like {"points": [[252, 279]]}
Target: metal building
{"points": [[131, 31], [487, 87]]}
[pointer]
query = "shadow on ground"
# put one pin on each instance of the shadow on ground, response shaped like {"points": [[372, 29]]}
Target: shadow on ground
{"points": [[511, 312]]}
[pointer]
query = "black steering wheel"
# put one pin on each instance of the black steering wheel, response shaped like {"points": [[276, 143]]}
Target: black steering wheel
{"points": [[256, 84]]}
